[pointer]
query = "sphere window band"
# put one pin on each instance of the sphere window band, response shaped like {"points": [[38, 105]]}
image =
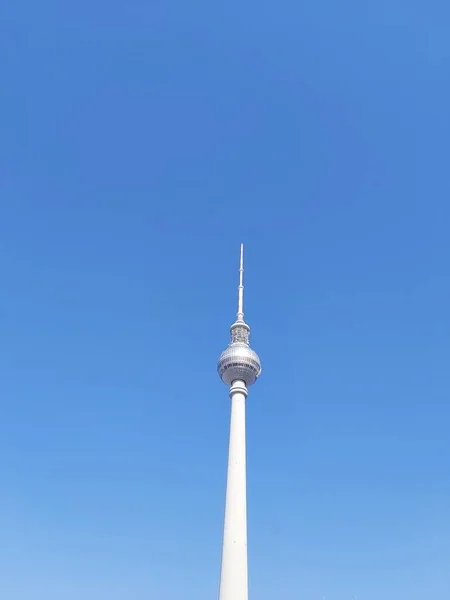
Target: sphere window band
{"points": [[253, 368]]}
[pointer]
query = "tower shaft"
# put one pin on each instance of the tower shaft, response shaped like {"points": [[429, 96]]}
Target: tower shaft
{"points": [[234, 578]]}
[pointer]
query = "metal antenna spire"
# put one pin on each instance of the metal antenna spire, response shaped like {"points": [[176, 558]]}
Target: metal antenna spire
{"points": [[240, 314]]}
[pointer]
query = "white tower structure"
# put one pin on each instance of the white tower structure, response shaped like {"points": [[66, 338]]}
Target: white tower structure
{"points": [[239, 367]]}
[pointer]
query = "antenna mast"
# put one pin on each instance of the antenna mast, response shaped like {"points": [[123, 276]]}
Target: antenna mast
{"points": [[240, 314]]}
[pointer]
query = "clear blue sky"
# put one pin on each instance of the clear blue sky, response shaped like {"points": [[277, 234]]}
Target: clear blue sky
{"points": [[141, 143]]}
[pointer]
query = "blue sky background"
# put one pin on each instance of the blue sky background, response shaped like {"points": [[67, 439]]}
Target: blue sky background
{"points": [[141, 143]]}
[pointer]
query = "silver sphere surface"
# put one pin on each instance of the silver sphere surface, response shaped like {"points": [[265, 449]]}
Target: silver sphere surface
{"points": [[239, 362]]}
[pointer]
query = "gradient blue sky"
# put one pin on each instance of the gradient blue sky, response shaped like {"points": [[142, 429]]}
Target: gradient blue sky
{"points": [[141, 143]]}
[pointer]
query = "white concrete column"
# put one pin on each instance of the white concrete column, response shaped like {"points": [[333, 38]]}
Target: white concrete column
{"points": [[234, 577]]}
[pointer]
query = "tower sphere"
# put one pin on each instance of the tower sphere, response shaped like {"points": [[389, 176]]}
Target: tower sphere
{"points": [[239, 361]]}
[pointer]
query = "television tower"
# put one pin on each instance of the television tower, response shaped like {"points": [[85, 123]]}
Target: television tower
{"points": [[239, 367]]}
